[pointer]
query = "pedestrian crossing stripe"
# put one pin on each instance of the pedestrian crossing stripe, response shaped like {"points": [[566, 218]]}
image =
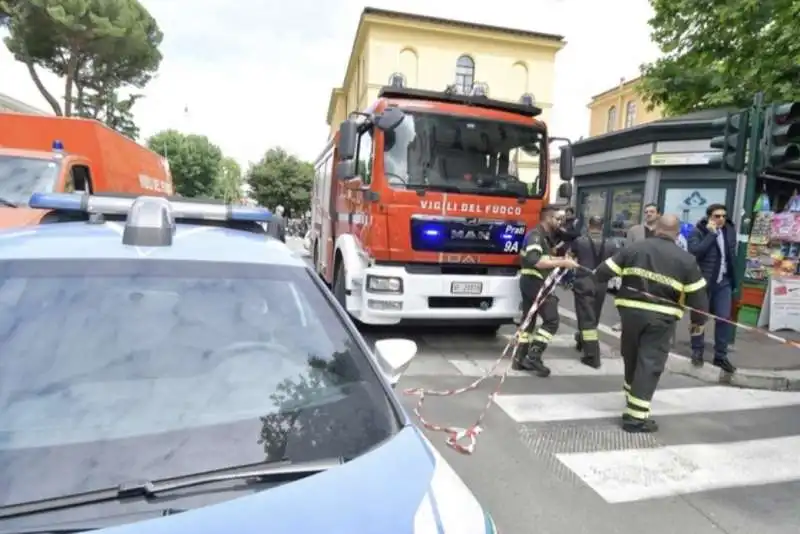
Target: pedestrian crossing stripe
{"points": [[623, 476], [539, 408], [558, 367]]}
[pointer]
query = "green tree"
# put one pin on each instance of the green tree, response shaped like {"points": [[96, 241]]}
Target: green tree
{"points": [[228, 183], [88, 43], [109, 108], [720, 53], [194, 161], [280, 178]]}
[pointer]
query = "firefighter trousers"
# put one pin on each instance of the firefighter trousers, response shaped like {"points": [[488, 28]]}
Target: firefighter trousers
{"points": [[589, 299], [645, 343], [533, 338]]}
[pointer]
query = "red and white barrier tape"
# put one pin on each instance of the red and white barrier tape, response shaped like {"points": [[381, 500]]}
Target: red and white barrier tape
{"points": [[710, 316], [456, 435]]}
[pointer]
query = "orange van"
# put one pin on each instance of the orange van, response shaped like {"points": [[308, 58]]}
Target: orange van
{"points": [[40, 153]]}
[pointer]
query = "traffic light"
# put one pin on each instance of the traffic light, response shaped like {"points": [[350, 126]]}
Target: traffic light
{"points": [[733, 141], [782, 133]]}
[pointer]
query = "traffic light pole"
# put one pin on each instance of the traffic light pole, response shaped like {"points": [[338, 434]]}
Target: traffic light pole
{"points": [[752, 172]]}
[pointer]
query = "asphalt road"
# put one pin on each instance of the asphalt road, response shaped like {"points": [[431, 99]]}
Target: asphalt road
{"points": [[552, 458]]}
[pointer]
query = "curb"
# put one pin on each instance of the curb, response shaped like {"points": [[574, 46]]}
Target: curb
{"points": [[744, 378]]}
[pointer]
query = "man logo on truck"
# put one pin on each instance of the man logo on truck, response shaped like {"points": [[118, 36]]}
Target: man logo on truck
{"points": [[479, 235]]}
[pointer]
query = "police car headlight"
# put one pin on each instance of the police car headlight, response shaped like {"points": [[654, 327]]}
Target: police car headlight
{"points": [[384, 284]]}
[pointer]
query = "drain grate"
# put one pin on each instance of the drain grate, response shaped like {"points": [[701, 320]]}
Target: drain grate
{"points": [[545, 441]]}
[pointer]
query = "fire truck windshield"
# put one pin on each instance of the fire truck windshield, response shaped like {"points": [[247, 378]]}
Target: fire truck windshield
{"points": [[21, 177], [462, 154]]}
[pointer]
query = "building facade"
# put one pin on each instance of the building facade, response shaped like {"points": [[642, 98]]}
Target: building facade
{"points": [[9, 104], [432, 53], [618, 108]]}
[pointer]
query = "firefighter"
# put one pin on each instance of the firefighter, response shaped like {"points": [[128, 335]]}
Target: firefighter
{"points": [[590, 251], [537, 263], [658, 267], [566, 233]]}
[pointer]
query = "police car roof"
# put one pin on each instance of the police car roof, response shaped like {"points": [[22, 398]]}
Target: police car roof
{"points": [[148, 227], [82, 240]]}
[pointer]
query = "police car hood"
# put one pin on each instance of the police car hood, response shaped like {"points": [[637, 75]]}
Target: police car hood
{"points": [[442, 227], [403, 486]]}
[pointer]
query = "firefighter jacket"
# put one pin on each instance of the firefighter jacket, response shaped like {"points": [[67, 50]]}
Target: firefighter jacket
{"points": [[591, 251], [539, 244], [657, 276]]}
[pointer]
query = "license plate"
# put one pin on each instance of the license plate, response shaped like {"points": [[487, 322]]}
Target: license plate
{"points": [[466, 288]]}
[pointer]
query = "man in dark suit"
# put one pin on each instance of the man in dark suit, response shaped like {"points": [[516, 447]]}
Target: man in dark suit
{"points": [[713, 244]]}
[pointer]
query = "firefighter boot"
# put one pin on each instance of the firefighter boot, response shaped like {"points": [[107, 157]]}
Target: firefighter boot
{"points": [[591, 354], [533, 361], [519, 355], [638, 426], [578, 342]]}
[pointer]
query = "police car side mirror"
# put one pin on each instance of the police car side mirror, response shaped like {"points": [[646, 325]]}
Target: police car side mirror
{"points": [[394, 356]]}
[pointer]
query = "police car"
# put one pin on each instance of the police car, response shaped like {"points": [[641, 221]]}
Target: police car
{"points": [[166, 368]]}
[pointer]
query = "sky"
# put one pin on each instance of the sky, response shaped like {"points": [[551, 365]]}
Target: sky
{"points": [[254, 74]]}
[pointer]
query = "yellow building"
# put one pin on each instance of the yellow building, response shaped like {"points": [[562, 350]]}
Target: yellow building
{"points": [[432, 53], [618, 108]]}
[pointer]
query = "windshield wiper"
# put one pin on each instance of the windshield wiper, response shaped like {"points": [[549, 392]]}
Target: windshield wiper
{"points": [[7, 203], [282, 471], [435, 187]]}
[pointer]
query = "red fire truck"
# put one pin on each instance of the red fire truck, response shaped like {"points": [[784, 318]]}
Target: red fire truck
{"points": [[419, 210]]}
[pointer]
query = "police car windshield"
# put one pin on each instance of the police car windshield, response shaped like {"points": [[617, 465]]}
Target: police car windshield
{"points": [[447, 152], [21, 177], [116, 371]]}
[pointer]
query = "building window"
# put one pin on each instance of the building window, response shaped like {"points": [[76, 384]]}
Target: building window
{"points": [[612, 119], [465, 73], [630, 114]]}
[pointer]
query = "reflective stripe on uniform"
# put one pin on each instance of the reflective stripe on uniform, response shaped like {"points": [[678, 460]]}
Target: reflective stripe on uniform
{"points": [[695, 286], [626, 387], [614, 267], [530, 248], [653, 277], [649, 306], [531, 272], [637, 408], [663, 279], [542, 336], [524, 337], [589, 335]]}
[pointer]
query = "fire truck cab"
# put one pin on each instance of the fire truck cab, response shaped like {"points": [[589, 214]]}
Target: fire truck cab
{"points": [[418, 209]]}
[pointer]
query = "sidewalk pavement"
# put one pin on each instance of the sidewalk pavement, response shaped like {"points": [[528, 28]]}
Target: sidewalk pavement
{"points": [[761, 362]]}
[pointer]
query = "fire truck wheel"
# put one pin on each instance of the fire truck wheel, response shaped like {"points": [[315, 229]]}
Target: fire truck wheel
{"points": [[339, 287]]}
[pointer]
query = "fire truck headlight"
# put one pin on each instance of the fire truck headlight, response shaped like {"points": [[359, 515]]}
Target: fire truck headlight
{"points": [[384, 284]]}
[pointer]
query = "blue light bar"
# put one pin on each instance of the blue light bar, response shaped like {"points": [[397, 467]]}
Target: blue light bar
{"points": [[246, 213], [56, 201], [181, 209], [58, 145]]}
